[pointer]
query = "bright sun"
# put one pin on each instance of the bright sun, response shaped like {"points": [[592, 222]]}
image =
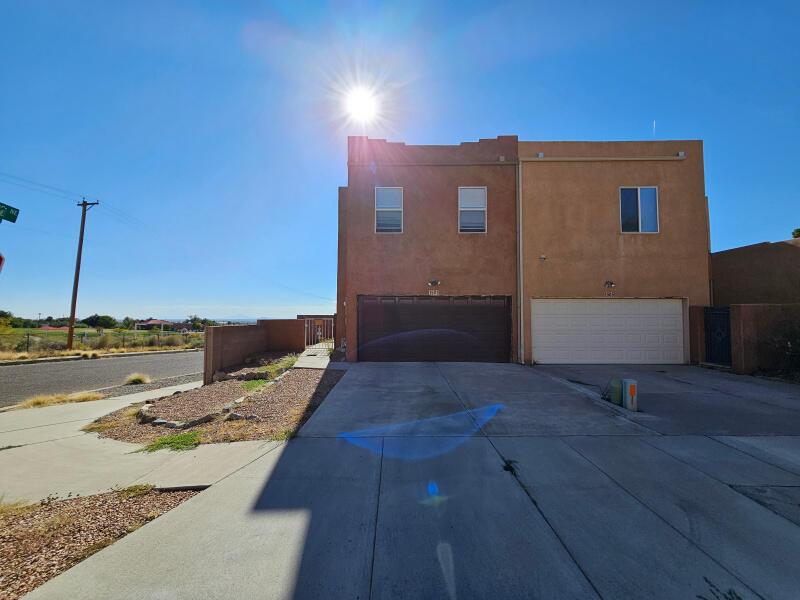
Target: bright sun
{"points": [[361, 105]]}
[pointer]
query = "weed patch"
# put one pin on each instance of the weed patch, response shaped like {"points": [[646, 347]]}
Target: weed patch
{"points": [[253, 384], [277, 367], [134, 491], [177, 442]]}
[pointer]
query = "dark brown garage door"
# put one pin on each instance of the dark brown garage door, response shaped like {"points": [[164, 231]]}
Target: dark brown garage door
{"points": [[434, 328]]}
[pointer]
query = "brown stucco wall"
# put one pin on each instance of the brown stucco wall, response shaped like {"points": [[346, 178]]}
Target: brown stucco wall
{"points": [[570, 214], [697, 334], [755, 332], [229, 345], [762, 273], [430, 246]]}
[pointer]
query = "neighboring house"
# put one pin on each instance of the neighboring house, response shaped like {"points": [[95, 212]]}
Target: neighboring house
{"points": [[766, 273], [603, 246], [154, 324]]}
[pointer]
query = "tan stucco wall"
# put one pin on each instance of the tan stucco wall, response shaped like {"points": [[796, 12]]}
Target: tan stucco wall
{"points": [[430, 246], [571, 216], [761, 273]]}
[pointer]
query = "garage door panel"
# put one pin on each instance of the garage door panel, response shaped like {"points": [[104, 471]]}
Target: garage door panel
{"points": [[434, 328], [619, 330]]}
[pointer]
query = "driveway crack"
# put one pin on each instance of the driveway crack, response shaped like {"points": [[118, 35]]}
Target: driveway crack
{"points": [[375, 525], [508, 465]]}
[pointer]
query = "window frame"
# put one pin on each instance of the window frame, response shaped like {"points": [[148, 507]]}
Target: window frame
{"points": [[639, 208], [401, 209], [485, 209]]}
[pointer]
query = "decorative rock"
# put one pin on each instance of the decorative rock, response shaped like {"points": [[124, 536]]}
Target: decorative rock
{"points": [[234, 417], [143, 415]]}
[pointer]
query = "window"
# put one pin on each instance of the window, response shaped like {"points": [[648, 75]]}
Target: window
{"points": [[638, 209], [472, 210], [388, 210]]}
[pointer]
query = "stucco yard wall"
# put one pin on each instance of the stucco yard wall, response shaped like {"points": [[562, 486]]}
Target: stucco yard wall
{"points": [[755, 332], [229, 345]]}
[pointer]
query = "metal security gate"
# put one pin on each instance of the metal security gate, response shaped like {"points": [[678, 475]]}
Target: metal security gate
{"points": [[319, 332], [718, 335], [434, 328]]}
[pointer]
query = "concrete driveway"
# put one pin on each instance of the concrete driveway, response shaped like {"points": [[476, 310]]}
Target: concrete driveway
{"points": [[502, 481]]}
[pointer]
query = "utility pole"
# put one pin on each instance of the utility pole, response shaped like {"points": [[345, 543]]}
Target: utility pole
{"points": [[85, 206]]}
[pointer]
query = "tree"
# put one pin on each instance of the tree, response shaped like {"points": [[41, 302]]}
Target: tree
{"points": [[128, 323], [796, 233], [101, 321], [196, 323]]}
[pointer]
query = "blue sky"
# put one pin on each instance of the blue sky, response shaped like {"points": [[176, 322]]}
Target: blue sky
{"points": [[211, 131]]}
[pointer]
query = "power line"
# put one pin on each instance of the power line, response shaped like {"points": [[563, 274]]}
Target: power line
{"points": [[67, 193], [59, 192]]}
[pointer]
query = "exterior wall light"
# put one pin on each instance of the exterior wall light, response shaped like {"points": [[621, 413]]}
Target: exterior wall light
{"points": [[434, 283]]}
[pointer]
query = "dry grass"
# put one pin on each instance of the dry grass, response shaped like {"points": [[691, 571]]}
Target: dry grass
{"points": [[123, 416], [89, 353], [136, 378], [53, 399], [14, 509], [134, 491]]}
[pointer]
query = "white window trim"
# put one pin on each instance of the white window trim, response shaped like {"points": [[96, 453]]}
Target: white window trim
{"points": [[484, 210], [639, 209], [402, 219]]}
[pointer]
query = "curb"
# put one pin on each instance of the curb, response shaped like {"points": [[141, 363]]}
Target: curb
{"points": [[33, 361]]}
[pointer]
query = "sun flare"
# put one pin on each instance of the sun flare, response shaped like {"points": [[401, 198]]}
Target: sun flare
{"points": [[362, 105]]}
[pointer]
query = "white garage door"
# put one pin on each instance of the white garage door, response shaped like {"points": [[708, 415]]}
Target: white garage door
{"points": [[615, 330]]}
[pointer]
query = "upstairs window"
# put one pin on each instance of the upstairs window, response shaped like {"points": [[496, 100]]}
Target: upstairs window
{"points": [[472, 210], [388, 210], [638, 209]]}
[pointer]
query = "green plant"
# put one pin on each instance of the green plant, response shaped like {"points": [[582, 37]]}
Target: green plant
{"points": [[253, 384], [796, 233], [176, 441], [277, 367]]}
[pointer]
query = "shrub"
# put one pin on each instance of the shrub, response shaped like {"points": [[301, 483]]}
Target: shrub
{"points": [[137, 378], [172, 340]]}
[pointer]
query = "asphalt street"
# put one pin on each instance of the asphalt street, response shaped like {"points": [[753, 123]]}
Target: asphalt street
{"points": [[18, 382]]}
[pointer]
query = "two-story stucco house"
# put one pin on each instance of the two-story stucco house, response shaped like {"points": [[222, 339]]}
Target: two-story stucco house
{"points": [[500, 250]]}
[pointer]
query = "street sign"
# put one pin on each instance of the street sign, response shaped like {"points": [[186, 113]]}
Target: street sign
{"points": [[9, 213]]}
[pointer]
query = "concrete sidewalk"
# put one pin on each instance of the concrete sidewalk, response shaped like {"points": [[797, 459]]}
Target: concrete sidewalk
{"points": [[550, 495], [43, 452]]}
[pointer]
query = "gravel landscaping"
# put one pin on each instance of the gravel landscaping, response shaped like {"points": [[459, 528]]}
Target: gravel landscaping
{"points": [[194, 404], [274, 410], [121, 390], [39, 541]]}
